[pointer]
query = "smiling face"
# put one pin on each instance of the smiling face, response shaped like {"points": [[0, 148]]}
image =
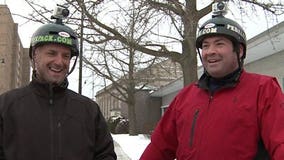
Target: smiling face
{"points": [[218, 56], [52, 63]]}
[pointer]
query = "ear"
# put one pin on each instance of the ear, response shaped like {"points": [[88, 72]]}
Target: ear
{"points": [[241, 50], [32, 62], [33, 59]]}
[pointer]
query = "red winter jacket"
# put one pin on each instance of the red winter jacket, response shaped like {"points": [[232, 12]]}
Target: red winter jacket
{"points": [[226, 125]]}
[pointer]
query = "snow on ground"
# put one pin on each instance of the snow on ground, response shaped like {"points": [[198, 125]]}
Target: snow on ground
{"points": [[133, 146]]}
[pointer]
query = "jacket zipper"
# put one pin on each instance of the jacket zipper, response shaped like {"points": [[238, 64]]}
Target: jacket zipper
{"points": [[210, 97], [59, 126], [192, 131], [51, 104]]}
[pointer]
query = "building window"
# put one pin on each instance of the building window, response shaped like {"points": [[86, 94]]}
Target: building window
{"points": [[2, 60], [163, 109], [283, 84]]}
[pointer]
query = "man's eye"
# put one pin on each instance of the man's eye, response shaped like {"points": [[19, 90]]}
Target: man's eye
{"points": [[51, 53], [67, 56], [204, 46]]}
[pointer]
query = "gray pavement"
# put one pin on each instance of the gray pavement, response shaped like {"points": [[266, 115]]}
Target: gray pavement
{"points": [[121, 155]]}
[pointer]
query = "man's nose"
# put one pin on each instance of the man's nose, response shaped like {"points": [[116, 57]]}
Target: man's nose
{"points": [[209, 50], [60, 60]]}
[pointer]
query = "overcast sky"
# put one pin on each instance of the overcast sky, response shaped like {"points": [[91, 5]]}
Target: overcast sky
{"points": [[252, 25]]}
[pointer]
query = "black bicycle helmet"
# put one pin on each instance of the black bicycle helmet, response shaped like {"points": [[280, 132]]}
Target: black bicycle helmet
{"points": [[55, 33], [220, 25]]}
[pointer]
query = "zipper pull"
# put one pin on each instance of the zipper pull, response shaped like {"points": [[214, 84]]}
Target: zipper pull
{"points": [[50, 101], [51, 96], [58, 125], [210, 97]]}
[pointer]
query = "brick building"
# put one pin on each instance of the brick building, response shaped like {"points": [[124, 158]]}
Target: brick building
{"points": [[14, 60]]}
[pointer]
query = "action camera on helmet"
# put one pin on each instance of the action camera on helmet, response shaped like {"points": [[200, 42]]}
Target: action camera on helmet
{"points": [[219, 8], [60, 13]]}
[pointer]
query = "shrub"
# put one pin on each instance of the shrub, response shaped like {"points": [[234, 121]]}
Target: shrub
{"points": [[118, 124], [122, 126]]}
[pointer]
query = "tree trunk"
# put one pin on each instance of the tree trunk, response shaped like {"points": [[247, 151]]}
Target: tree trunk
{"points": [[132, 117], [188, 61], [189, 69], [189, 58]]}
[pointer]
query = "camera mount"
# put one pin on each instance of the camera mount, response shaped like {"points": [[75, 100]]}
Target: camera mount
{"points": [[61, 12], [219, 8]]}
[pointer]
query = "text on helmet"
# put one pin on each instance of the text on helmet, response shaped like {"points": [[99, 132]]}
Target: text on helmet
{"points": [[52, 38], [236, 29], [208, 30]]}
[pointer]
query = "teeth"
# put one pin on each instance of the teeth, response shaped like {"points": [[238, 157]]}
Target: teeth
{"points": [[212, 61], [55, 70]]}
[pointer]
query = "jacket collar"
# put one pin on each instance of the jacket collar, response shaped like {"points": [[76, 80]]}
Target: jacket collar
{"points": [[211, 84], [48, 90]]}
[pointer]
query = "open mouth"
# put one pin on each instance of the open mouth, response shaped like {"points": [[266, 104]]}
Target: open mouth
{"points": [[56, 70], [213, 61]]}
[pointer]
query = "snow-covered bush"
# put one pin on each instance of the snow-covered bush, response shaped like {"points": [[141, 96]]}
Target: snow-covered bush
{"points": [[118, 124]]}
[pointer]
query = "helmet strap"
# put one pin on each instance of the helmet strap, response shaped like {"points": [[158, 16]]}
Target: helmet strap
{"points": [[199, 54], [33, 62], [73, 67], [240, 59]]}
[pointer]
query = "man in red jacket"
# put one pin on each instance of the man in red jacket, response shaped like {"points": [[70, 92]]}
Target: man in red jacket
{"points": [[228, 114]]}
